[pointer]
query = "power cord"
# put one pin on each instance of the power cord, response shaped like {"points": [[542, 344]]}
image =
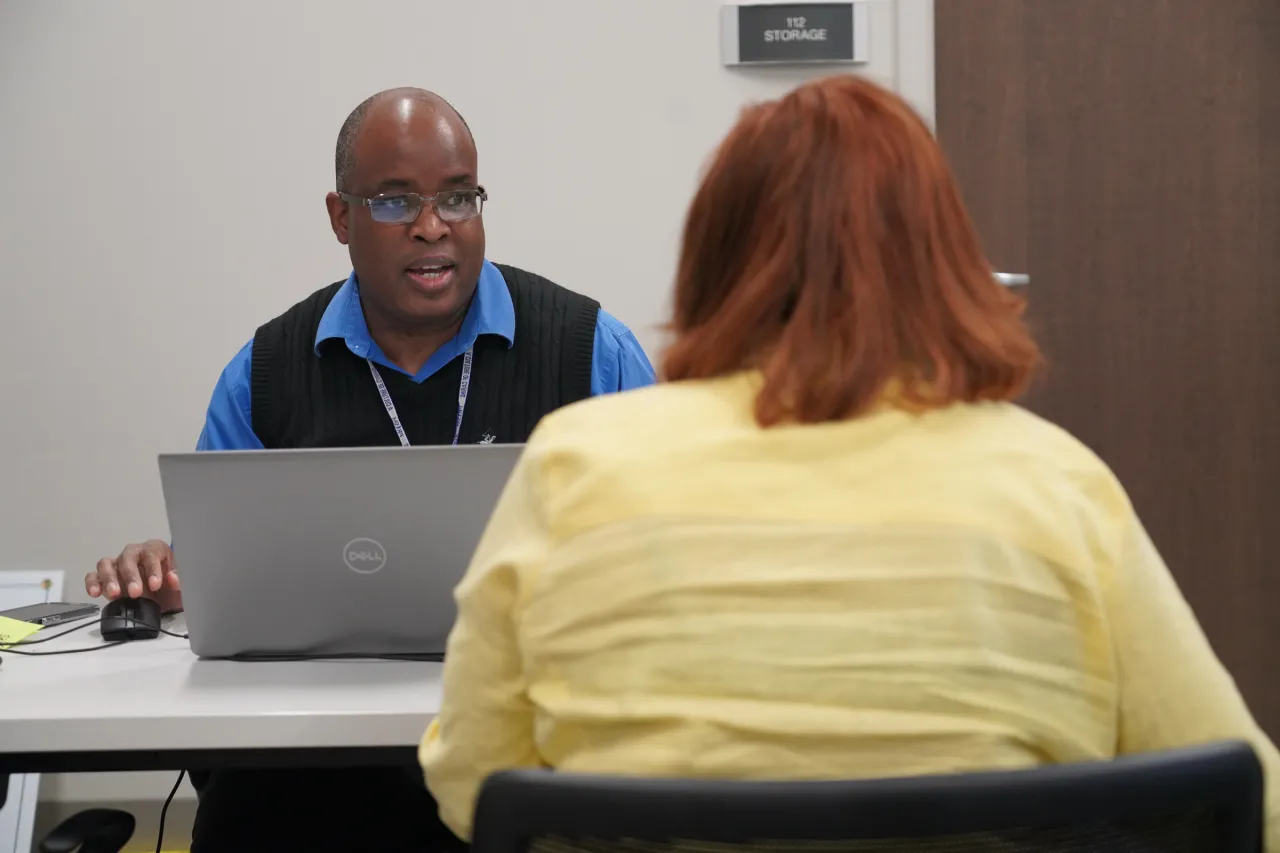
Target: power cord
{"points": [[164, 810], [105, 645]]}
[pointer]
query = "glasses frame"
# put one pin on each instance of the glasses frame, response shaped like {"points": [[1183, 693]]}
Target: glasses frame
{"points": [[422, 201]]}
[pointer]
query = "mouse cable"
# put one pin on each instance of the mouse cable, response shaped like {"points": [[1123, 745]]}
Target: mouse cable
{"points": [[105, 645], [164, 810]]}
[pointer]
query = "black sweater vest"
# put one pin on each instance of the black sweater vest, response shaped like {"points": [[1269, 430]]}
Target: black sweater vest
{"points": [[300, 399]]}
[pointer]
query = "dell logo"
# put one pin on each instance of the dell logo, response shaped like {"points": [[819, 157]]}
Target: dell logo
{"points": [[364, 556]]}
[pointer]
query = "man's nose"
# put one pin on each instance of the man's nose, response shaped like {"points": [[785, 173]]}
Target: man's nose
{"points": [[429, 227]]}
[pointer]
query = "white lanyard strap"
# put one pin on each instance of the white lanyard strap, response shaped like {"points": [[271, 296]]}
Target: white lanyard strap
{"points": [[390, 405]]}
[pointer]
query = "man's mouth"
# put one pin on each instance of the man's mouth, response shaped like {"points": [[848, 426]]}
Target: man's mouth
{"points": [[431, 276]]}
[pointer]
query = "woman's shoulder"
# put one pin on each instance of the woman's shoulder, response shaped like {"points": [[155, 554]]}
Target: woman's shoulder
{"points": [[1034, 434], [1038, 449], [676, 409]]}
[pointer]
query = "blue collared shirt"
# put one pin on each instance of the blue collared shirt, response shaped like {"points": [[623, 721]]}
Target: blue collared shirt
{"points": [[619, 363]]}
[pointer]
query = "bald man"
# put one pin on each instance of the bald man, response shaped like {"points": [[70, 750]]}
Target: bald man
{"points": [[425, 342]]}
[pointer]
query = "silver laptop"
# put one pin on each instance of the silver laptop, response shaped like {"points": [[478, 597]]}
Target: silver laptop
{"points": [[327, 553]]}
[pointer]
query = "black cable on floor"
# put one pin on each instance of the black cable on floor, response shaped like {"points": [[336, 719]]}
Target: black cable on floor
{"points": [[164, 810]]}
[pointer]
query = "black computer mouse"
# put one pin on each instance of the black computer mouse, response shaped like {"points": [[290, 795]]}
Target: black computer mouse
{"points": [[130, 619]]}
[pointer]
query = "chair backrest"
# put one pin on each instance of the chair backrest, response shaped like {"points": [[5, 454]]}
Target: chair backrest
{"points": [[1205, 798]]}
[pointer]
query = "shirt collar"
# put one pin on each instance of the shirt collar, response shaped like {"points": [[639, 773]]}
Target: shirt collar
{"points": [[491, 313]]}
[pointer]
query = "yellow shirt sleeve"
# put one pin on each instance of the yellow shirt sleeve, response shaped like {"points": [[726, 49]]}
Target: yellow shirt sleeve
{"points": [[485, 722], [1173, 689]]}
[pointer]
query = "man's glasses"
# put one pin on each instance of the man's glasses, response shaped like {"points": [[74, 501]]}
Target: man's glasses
{"points": [[403, 208]]}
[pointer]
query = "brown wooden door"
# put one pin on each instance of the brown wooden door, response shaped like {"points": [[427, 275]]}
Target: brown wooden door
{"points": [[1126, 155]]}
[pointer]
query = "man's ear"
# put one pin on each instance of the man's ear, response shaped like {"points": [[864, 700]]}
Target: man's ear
{"points": [[338, 213]]}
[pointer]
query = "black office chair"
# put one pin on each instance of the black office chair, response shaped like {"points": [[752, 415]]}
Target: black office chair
{"points": [[1200, 799], [90, 831]]}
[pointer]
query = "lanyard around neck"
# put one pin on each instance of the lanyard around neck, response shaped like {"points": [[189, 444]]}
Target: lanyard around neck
{"points": [[390, 405]]}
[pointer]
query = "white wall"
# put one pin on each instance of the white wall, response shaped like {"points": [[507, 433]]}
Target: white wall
{"points": [[164, 166]]}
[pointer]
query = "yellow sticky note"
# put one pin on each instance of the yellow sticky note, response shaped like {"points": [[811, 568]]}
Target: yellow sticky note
{"points": [[14, 630]]}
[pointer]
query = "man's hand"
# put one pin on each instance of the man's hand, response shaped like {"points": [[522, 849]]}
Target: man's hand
{"points": [[146, 569]]}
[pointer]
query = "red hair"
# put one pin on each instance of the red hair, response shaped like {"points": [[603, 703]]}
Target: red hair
{"points": [[828, 247]]}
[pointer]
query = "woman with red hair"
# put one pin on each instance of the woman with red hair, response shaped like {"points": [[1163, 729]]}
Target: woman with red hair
{"points": [[829, 545]]}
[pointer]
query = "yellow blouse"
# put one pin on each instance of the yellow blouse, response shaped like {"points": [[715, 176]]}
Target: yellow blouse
{"points": [[667, 589]]}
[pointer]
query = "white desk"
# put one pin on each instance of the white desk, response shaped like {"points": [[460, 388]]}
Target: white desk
{"points": [[153, 705]]}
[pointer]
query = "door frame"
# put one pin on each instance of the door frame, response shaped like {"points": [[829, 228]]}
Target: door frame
{"points": [[915, 57]]}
